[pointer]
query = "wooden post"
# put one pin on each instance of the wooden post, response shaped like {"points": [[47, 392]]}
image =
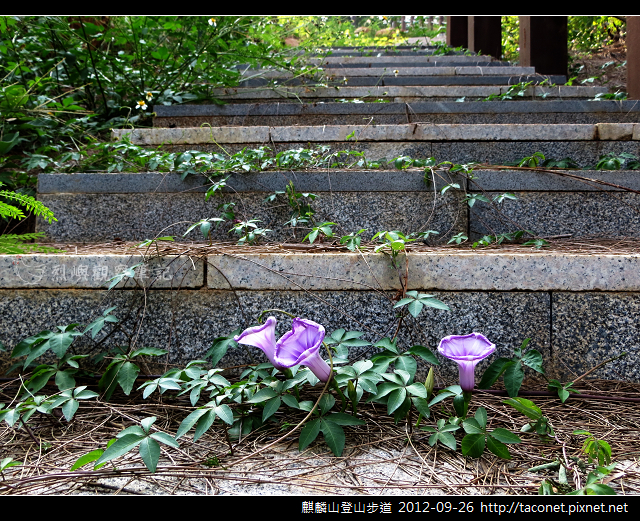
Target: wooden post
{"points": [[457, 32], [485, 35], [543, 44], [633, 57]]}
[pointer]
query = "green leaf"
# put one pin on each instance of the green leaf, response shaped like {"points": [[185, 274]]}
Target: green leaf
{"points": [[148, 422], [493, 372], [333, 435], [402, 411], [498, 448], [505, 436], [387, 344], [87, 458], [65, 380], [290, 401], [189, 422], [424, 353], [309, 433], [422, 406], [127, 376], [60, 342], [204, 423], [563, 394], [271, 407], [601, 489], [150, 452], [70, 408], [134, 429], [165, 438], [471, 426], [473, 445], [407, 364], [446, 438], [326, 403], [108, 382], [120, 447], [533, 359], [513, 377], [395, 399], [417, 389], [526, 407], [481, 417], [263, 395], [220, 346], [149, 351], [8, 463], [460, 405], [342, 418]]}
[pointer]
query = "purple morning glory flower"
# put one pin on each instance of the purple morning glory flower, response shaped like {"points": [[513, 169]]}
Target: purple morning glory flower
{"points": [[301, 345], [263, 337], [467, 351]]}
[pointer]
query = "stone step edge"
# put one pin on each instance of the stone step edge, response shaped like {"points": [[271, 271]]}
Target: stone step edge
{"points": [[400, 71], [336, 180], [391, 91], [383, 133], [438, 271], [420, 107], [428, 58]]}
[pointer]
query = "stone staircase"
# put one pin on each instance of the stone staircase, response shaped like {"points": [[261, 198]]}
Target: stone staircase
{"points": [[578, 303]]}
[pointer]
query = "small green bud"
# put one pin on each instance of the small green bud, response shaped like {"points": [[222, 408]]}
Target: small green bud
{"points": [[429, 383]]}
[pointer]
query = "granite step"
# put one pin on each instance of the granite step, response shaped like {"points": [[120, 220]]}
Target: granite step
{"points": [[93, 207], [569, 304], [485, 143], [340, 79], [386, 60], [397, 94], [443, 112]]}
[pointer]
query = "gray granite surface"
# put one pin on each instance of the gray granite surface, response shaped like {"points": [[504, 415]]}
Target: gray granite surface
{"points": [[417, 93], [589, 328], [582, 214], [452, 271], [103, 217], [566, 107], [327, 180], [406, 132], [187, 322], [96, 271]]}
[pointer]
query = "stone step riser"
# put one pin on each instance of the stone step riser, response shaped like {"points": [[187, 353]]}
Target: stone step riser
{"points": [[390, 80], [397, 93], [572, 329], [419, 132], [102, 207], [401, 71], [585, 153], [412, 61], [392, 119], [290, 114]]}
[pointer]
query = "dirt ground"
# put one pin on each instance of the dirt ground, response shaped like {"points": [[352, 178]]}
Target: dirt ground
{"points": [[607, 66]]}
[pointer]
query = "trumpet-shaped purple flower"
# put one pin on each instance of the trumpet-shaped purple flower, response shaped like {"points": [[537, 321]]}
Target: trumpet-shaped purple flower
{"points": [[301, 345], [467, 351], [263, 337]]}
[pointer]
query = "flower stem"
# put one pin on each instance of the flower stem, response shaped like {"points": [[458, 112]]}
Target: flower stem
{"points": [[278, 310], [334, 384]]}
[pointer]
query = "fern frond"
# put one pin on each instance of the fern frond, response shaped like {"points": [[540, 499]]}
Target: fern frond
{"points": [[6, 210], [12, 243], [32, 205]]}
